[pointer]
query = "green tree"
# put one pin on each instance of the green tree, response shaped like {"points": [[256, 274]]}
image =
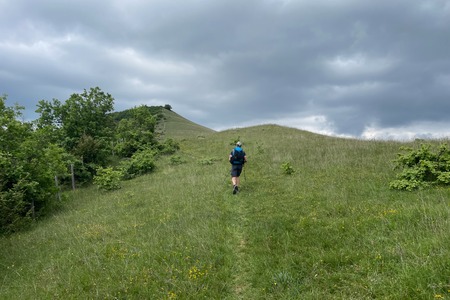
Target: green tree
{"points": [[12, 131], [136, 132], [27, 169], [87, 114], [49, 124], [83, 119]]}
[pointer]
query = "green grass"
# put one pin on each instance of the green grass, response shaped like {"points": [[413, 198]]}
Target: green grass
{"points": [[331, 230], [175, 126]]}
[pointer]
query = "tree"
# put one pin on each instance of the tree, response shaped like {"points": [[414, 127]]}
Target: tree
{"points": [[12, 131], [27, 169], [136, 133], [83, 117], [87, 114]]}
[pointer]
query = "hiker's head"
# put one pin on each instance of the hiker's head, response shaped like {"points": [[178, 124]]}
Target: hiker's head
{"points": [[239, 144]]}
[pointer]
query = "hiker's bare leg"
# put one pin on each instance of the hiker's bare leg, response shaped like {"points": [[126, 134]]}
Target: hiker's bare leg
{"points": [[238, 182], [234, 180]]}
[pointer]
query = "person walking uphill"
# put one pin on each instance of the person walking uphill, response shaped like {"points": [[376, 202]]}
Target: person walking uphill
{"points": [[237, 159]]}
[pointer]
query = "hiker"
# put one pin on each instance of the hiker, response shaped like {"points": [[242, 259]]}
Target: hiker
{"points": [[237, 159]]}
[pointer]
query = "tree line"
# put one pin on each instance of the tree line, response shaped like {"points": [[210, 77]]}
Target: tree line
{"points": [[74, 139]]}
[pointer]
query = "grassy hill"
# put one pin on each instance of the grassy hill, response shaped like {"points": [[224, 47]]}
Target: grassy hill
{"points": [[172, 125], [331, 230]]}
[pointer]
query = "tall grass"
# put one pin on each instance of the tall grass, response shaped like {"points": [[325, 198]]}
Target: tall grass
{"points": [[330, 230]]}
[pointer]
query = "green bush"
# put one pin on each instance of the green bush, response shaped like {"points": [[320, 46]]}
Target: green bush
{"points": [[287, 168], [206, 161], [169, 147], [141, 162], [444, 178], [407, 185], [15, 209], [107, 179], [176, 160], [422, 168]]}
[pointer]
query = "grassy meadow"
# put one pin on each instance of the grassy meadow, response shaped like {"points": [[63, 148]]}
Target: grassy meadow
{"points": [[331, 230]]}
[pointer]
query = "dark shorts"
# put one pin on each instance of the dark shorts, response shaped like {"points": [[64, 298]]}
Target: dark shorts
{"points": [[236, 170]]}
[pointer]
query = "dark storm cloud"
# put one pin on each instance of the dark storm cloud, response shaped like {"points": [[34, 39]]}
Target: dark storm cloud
{"points": [[363, 68]]}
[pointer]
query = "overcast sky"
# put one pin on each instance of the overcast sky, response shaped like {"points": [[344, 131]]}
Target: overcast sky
{"points": [[367, 69]]}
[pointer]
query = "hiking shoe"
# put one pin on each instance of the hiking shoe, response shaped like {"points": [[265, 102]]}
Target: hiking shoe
{"points": [[235, 189]]}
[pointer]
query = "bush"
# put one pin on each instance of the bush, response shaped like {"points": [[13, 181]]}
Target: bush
{"points": [[287, 168], [176, 160], [141, 162], [15, 207], [422, 168], [169, 147], [107, 179], [444, 178], [407, 185], [206, 161]]}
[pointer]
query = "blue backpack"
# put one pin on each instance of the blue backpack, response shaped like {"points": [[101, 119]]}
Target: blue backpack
{"points": [[237, 156]]}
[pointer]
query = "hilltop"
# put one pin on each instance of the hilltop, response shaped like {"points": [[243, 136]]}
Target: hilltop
{"points": [[169, 123], [330, 230], [172, 125]]}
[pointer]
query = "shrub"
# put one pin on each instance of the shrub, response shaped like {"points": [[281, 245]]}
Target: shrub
{"points": [[169, 147], [407, 185], [176, 160], [444, 178], [107, 179], [422, 168], [287, 168], [141, 162], [15, 207], [207, 161]]}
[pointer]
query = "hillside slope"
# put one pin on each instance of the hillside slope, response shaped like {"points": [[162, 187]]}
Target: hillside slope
{"points": [[172, 125], [331, 230]]}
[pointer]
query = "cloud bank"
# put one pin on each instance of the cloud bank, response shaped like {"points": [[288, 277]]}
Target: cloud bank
{"points": [[367, 69]]}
